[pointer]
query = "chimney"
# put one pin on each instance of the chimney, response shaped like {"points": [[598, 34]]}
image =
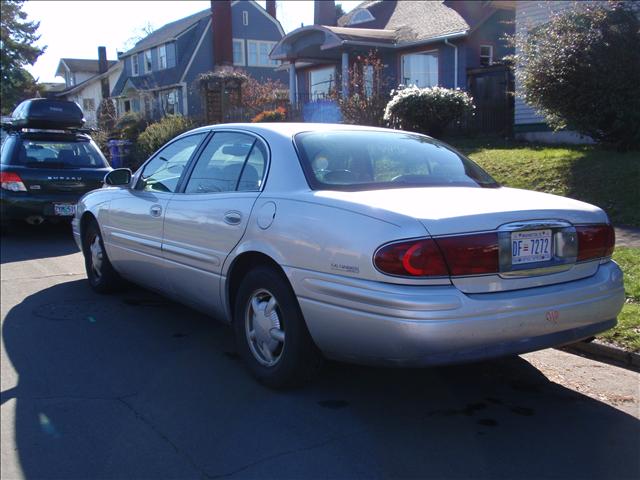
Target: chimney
{"points": [[222, 32], [102, 68], [324, 12], [271, 8]]}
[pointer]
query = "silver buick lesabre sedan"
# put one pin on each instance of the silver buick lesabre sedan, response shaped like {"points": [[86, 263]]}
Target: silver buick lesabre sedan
{"points": [[367, 245]]}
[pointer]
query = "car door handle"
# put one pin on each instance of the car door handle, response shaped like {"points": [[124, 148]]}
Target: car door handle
{"points": [[233, 217], [155, 210]]}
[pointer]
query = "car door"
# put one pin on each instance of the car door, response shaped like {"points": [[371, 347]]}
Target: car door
{"points": [[207, 219], [133, 229]]}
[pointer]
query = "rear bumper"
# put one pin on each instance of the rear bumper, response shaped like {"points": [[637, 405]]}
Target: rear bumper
{"points": [[374, 323], [22, 205]]}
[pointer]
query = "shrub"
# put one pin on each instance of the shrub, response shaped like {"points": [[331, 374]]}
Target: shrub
{"points": [[130, 126], [159, 133], [581, 71], [427, 110], [365, 104], [277, 115]]}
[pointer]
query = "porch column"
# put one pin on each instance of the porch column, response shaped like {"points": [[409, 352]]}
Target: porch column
{"points": [[345, 74], [293, 94]]}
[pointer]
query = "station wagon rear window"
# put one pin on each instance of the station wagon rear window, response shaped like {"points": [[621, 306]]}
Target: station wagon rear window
{"points": [[371, 160], [59, 154]]}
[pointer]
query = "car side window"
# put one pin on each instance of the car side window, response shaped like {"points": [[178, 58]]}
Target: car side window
{"points": [[163, 172], [228, 163]]}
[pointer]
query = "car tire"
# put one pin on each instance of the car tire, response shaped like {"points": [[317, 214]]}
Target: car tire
{"points": [[271, 334], [101, 275]]}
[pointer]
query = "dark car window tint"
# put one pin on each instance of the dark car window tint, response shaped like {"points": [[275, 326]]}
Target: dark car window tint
{"points": [[7, 149], [368, 160], [163, 172], [223, 166], [63, 154]]}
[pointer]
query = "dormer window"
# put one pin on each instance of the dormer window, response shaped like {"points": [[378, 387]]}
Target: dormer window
{"points": [[360, 16]]}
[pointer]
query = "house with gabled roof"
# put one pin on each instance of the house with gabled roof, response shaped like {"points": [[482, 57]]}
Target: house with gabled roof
{"points": [[424, 43], [160, 71], [87, 82]]}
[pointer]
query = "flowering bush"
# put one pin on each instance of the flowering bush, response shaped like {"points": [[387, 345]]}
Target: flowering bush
{"points": [[427, 110], [277, 115]]}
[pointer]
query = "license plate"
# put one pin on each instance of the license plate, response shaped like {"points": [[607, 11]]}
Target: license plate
{"points": [[530, 246], [64, 209]]}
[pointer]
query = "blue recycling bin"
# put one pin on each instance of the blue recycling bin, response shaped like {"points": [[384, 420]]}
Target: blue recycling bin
{"points": [[119, 150]]}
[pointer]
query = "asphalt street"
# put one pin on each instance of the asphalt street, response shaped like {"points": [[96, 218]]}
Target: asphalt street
{"points": [[134, 386]]}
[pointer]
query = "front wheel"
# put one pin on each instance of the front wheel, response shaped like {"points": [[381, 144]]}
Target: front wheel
{"points": [[101, 275], [271, 335]]}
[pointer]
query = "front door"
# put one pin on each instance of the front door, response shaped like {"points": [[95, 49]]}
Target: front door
{"points": [[208, 218], [134, 226]]}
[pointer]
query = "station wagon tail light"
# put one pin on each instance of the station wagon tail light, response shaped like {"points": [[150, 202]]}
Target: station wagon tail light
{"points": [[595, 241], [12, 181], [444, 256]]}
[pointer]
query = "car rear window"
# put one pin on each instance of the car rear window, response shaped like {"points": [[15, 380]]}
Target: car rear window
{"points": [[370, 160], [63, 154]]}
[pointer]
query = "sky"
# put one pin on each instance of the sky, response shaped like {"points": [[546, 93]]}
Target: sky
{"points": [[75, 29]]}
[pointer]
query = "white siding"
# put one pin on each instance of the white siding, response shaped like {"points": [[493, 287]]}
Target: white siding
{"points": [[530, 14], [93, 89]]}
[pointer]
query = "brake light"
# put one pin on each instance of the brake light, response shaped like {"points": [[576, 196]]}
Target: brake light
{"points": [[471, 254], [415, 258], [461, 255], [595, 241], [11, 181]]}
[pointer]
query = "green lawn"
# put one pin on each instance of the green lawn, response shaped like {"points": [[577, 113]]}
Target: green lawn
{"points": [[627, 333], [606, 178]]}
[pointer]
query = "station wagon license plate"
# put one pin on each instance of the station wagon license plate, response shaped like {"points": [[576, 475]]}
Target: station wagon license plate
{"points": [[64, 209], [530, 246]]}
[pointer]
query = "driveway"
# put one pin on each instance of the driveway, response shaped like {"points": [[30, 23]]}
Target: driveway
{"points": [[134, 386]]}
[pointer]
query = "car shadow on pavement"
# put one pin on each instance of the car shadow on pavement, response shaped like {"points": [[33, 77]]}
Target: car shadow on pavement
{"points": [[134, 386], [30, 242]]}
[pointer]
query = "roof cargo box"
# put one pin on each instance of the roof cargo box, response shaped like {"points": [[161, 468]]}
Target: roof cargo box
{"points": [[47, 113]]}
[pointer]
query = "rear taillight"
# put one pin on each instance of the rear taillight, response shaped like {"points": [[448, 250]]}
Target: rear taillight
{"points": [[595, 241], [461, 255], [414, 258], [471, 254], [12, 181]]}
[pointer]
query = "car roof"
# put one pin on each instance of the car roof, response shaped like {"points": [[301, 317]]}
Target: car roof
{"points": [[289, 129]]}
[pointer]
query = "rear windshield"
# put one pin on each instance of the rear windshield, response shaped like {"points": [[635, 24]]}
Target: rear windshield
{"points": [[370, 160], [59, 154]]}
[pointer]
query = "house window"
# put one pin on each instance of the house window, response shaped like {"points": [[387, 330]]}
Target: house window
{"points": [[88, 104], [245, 18], [134, 65], [420, 69], [169, 101], [238, 52], [259, 53], [147, 61], [486, 55], [126, 105], [322, 82], [367, 74], [360, 16], [162, 57]]}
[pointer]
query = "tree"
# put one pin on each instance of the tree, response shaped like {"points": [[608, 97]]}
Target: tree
{"points": [[581, 71], [17, 37]]}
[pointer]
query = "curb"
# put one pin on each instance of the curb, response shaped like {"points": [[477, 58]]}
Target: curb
{"points": [[605, 354]]}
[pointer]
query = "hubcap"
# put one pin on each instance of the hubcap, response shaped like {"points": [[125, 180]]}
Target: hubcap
{"points": [[263, 328], [96, 256]]}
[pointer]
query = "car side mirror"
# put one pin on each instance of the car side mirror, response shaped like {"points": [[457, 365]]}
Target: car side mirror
{"points": [[118, 177]]}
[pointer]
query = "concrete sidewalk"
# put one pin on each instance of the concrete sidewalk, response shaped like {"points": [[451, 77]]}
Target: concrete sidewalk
{"points": [[627, 236]]}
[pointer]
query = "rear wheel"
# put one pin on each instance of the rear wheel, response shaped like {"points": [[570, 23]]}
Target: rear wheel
{"points": [[102, 276], [271, 335]]}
